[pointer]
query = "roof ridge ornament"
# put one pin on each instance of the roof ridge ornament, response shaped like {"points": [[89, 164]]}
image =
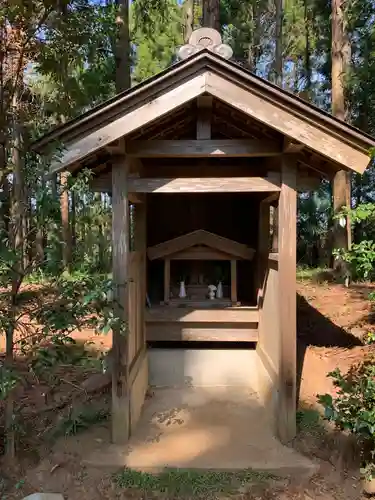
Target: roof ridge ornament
{"points": [[205, 38]]}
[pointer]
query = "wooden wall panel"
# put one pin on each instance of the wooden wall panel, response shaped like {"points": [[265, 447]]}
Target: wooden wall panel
{"points": [[268, 346], [136, 306]]}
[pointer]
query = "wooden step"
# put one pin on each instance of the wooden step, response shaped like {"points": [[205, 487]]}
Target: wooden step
{"points": [[228, 315], [201, 332]]}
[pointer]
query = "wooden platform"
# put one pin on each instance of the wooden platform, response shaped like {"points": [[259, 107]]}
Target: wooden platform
{"points": [[231, 324]]}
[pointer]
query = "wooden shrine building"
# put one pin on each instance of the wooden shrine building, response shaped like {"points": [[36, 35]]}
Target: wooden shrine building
{"points": [[210, 157]]}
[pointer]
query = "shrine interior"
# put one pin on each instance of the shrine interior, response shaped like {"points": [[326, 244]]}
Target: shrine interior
{"points": [[233, 216]]}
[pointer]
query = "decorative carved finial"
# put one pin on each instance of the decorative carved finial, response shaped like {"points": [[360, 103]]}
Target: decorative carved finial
{"points": [[205, 38]]}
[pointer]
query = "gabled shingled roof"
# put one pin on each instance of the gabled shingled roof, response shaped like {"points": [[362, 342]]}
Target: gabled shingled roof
{"points": [[206, 72]]}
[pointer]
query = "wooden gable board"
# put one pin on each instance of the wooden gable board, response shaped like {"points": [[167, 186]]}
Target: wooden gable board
{"points": [[127, 123], [200, 237], [291, 125]]}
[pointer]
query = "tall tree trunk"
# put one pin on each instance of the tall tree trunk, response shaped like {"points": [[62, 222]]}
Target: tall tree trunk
{"points": [[17, 240], [211, 14], [254, 48], [188, 19], [307, 62], [341, 182], [122, 46], [26, 226], [66, 234], [278, 67], [40, 229], [73, 220]]}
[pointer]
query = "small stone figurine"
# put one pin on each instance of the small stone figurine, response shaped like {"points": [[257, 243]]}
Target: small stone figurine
{"points": [[182, 293], [211, 291], [219, 291]]}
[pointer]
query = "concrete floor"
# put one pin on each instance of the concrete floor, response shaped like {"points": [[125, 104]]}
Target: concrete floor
{"points": [[204, 428]]}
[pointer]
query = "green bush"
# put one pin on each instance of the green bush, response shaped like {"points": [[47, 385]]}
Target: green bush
{"points": [[352, 409]]}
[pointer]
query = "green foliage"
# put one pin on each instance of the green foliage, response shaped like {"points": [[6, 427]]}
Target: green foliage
{"points": [[361, 259], [8, 381], [361, 256], [305, 273], [78, 421], [155, 50], [205, 485], [352, 409], [369, 338], [314, 213], [361, 213]]}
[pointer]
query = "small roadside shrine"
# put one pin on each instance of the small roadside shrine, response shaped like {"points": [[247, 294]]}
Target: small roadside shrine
{"points": [[205, 152]]}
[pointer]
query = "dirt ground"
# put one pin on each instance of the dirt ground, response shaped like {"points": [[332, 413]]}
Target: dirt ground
{"points": [[61, 413]]}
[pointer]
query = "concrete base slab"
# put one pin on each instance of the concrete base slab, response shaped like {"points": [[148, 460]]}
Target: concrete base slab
{"points": [[197, 428]]}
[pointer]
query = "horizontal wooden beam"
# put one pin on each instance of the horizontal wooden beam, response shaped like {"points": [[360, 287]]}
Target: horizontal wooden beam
{"points": [[176, 314], [203, 185], [102, 183], [203, 148], [202, 333]]}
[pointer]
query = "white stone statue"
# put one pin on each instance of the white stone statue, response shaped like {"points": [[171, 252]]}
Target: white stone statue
{"points": [[219, 291], [211, 291], [182, 293]]}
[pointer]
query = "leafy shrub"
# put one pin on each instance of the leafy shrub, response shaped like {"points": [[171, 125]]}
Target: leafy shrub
{"points": [[353, 408], [361, 259], [369, 338], [361, 256]]}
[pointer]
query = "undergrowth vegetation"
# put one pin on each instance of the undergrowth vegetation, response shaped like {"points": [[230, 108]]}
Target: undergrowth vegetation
{"points": [[190, 483], [352, 409]]}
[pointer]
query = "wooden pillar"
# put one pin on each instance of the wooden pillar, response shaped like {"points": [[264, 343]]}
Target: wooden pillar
{"points": [[263, 246], [233, 281], [287, 241], [275, 229], [167, 280], [141, 246], [120, 257]]}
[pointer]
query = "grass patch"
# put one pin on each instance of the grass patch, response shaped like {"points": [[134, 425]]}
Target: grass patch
{"points": [[310, 421], [310, 273], [182, 482]]}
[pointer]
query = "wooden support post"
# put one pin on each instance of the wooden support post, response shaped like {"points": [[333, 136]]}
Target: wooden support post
{"points": [[167, 280], [204, 104], [233, 281], [263, 246], [120, 251], [275, 229], [287, 213], [140, 246]]}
